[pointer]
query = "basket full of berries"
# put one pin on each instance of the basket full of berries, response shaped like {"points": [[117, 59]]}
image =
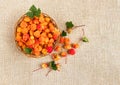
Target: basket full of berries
{"points": [[36, 33]]}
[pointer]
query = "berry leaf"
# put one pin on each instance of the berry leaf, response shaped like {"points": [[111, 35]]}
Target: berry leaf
{"points": [[28, 50], [53, 65], [64, 33], [33, 11], [85, 39], [30, 14], [37, 13], [69, 24], [33, 8]]}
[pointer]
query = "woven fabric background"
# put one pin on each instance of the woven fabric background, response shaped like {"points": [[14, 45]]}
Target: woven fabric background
{"points": [[95, 63]]}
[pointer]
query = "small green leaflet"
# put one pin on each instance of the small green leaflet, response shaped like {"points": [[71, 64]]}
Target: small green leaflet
{"points": [[63, 33], [53, 65], [28, 50], [69, 24], [85, 39], [33, 8], [37, 13], [30, 14], [33, 11]]}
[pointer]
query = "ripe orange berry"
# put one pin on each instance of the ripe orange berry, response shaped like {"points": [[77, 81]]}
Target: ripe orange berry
{"points": [[47, 19], [46, 40], [31, 32], [40, 48], [24, 30], [18, 38], [20, 43], [25, 37], [44, 23], [55, 57], [41, 39], [26, 19], [52, 28], [18, 34], [49, 35], [36, 17], [23, 24], [37, 34], [37, 41], [23, 46], [37, 53], [43, 34], [44, 65], [44, 51], [50, 44], [62, 39], [41, 19], [58, 48], [30, 42], [58, 66], [63, 54], [36, 21], [55, 36], [51, 40], [75, 45], [37, 47], [67, 46], [33, 27], [47, 30], [19, 29], [67, 41], [28, 27], [32, 37], [31, 22], [51, 25]]}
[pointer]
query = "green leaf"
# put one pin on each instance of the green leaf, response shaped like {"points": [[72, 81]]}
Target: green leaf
{"points": [[37, 13], [69, 24], [64, 33], [28, 50], [33, 11], [53, 65], [30, 14], [33, 8], [85, 39]]}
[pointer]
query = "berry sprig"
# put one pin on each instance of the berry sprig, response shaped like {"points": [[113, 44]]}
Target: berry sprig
{"points": [[51, 65], [70, 26]]}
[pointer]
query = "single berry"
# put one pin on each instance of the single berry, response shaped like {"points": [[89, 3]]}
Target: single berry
{"points": [[71, 51], [38, 27], [49, 49]]}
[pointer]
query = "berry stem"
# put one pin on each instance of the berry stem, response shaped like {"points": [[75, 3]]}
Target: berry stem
{"points": [[48, 72], [83, 32], [36, 69], [78, 26], [66, 60]]}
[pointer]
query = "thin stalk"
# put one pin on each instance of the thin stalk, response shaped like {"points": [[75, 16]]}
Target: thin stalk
{"points": [[66, 60], [78, 26], [36, 69], [48, 72]]}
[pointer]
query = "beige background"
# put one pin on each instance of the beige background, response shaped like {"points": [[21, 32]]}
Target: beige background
{"points": [[96, 62]]}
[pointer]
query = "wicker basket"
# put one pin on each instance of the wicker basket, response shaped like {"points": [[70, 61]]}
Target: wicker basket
{"points": [[20, 49]]}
